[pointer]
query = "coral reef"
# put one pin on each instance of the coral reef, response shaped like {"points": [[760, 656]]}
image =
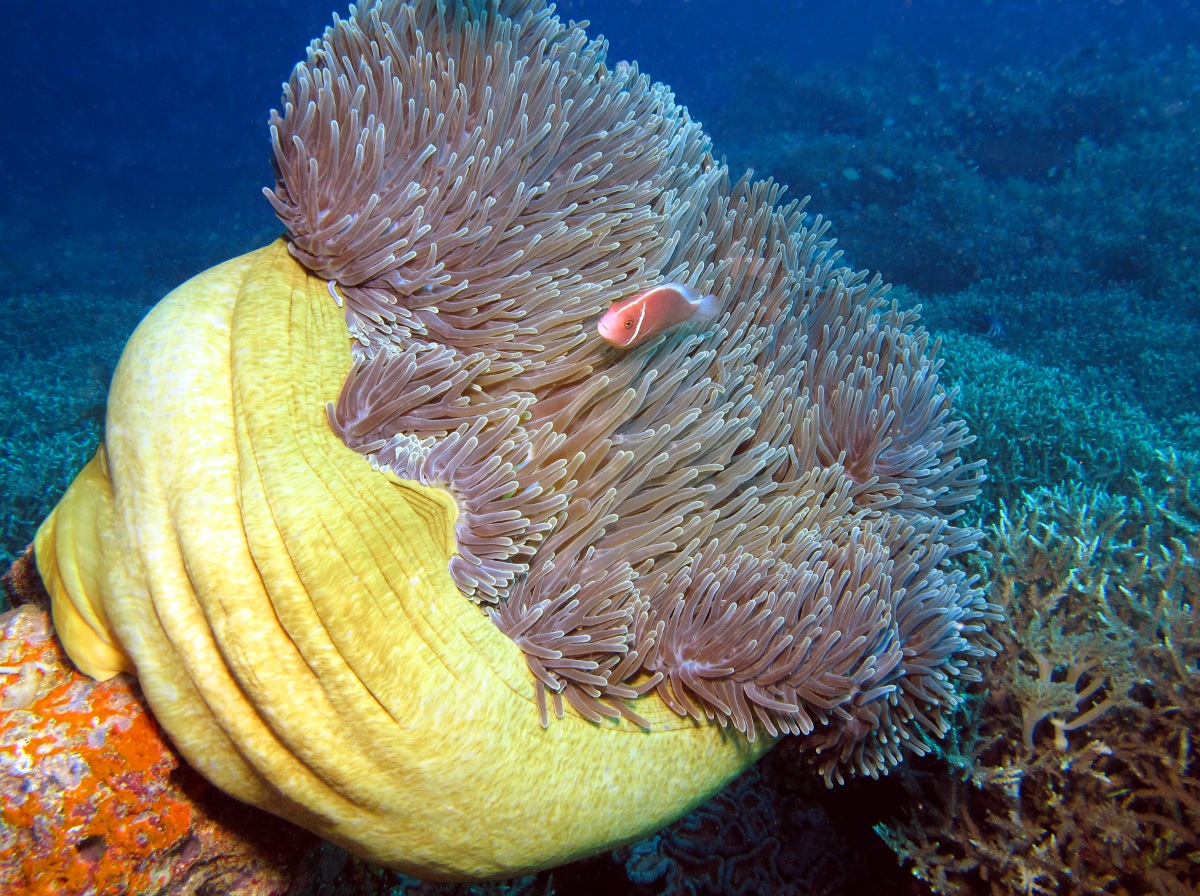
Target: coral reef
{"points": [[1147, 352], [1044, 427], [1059, 199], [1070, 770], [1048, 217], [975, 162], [751, 839], [1073, 771]]}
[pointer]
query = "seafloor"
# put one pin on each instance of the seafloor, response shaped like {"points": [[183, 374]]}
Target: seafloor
{"points": [[1047, 220]]}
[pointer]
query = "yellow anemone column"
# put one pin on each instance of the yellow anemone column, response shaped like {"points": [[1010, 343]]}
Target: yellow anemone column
{"points": [[290, 616]]}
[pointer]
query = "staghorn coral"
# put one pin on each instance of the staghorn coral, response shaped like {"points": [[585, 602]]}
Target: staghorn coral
{"points": [[1147, 364], [317, 454], [1048, 428], [1073, 772]]}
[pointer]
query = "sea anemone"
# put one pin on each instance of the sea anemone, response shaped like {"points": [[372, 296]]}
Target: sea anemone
{"points": [[388, 461]]}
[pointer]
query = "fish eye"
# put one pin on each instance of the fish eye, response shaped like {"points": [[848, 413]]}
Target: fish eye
{"points": [[628, 324]]}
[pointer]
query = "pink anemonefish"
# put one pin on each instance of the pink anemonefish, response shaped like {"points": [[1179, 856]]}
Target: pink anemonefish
{"points": [[629, 323]]}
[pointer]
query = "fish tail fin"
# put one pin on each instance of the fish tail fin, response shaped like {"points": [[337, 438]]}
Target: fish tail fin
{"points": [[710, 307]]}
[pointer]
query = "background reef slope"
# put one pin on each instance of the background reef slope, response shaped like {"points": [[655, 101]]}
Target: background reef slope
{"points": [[1026, 173]]}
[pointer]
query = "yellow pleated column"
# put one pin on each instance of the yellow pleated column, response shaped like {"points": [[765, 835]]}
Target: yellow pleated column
{"points": [[289, 612]]}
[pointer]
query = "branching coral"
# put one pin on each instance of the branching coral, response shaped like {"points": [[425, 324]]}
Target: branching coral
{"points": [[1043, 427], [1103, 642]]}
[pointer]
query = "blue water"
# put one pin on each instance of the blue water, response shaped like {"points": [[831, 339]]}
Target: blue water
{"points": [[148, 97], [121, 114], [1025, 170]]}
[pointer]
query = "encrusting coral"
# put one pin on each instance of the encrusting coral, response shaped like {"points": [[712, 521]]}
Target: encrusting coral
{"points": [[321, 459]]}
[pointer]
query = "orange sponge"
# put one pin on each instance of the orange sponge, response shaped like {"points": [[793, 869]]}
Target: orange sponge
{"points": [[94, 800]]}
